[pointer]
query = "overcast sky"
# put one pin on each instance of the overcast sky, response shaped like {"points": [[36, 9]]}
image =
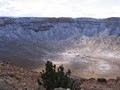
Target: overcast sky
{"points": [[60, 8]]}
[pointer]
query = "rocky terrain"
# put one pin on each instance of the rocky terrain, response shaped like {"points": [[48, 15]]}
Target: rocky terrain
{"points": [[16, 78], [89, 47], [92, 84]]}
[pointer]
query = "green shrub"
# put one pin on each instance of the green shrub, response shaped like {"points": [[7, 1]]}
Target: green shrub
{"points": [[53, 77]]}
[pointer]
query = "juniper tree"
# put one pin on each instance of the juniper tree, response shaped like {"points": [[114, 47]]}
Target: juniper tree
{"points": [[53, 77]]}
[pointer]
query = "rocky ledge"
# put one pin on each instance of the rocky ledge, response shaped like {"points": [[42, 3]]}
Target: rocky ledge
{"points": [[15, 78]]}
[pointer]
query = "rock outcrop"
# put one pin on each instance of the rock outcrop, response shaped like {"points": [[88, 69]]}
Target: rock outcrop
{"points": [[15, 78]]}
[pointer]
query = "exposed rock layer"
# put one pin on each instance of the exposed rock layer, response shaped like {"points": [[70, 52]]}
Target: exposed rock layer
{"points": [[88, 46]]}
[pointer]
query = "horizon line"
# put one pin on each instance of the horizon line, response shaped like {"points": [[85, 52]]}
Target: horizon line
{"points": [[54, 17]]}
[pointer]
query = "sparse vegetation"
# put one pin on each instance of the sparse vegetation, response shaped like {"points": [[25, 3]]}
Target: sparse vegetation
{"points": [[102, 80], [53, 77], [11, 75]]}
